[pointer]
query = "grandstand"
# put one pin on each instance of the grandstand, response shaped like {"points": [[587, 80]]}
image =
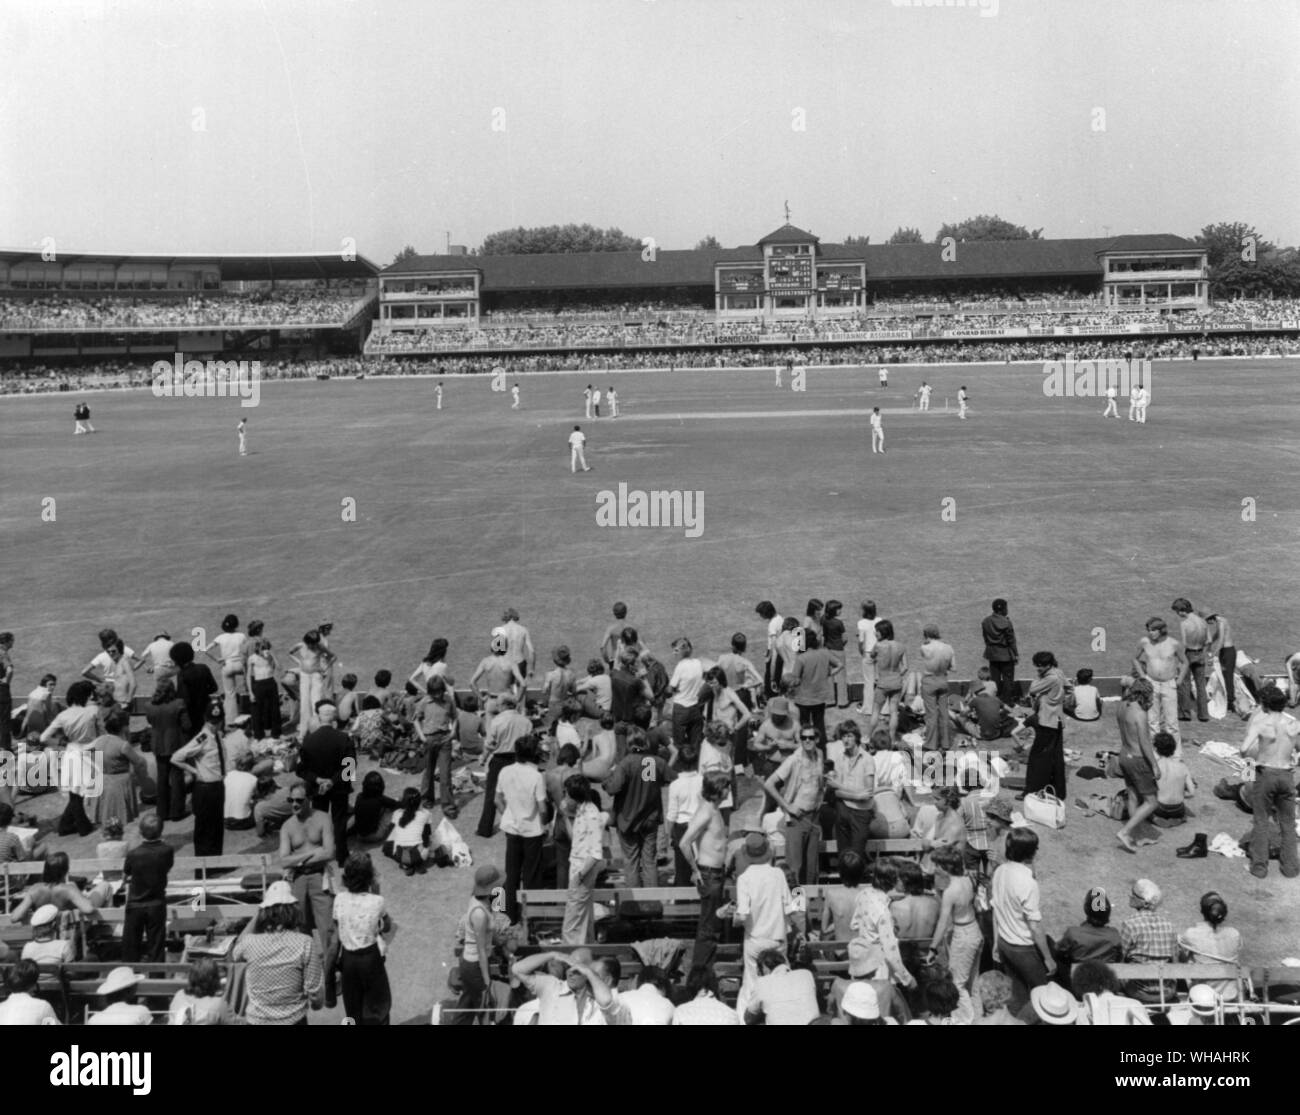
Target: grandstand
{"points": [[791, 290], [104, 306]]}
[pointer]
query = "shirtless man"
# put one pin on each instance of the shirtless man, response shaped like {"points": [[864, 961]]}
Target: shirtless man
{"points": [[704, 844], [306, 852], [1137, 759], [1162, 662], [1274, 737]]}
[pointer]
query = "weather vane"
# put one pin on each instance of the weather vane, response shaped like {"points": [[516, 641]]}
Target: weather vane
{"points": [[787, 212]]}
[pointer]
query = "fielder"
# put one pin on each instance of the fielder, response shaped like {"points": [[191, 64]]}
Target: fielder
{"points": [[1144, 399], [595, 402], [961, 402], [611, 397], [884, 377], [514, 395], [1134, 394], [923, 396], [242, 428], [1111, 407], [586, 397], [437, 395], [577, 440], [877, 431]]}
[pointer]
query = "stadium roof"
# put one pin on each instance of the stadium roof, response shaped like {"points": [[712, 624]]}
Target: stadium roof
{"points": [[788, 234], [975, 259], [234, 268]]}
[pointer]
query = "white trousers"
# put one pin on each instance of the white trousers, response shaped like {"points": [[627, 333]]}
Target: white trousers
{"points": [[577, 458]]}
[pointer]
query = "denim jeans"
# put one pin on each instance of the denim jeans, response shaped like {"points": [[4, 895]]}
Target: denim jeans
{"points": [[1195, 676], [1024, 964], [709, 930], [938, 730], [1274, 794], [640, 854], [803, 845], [437, 753], [852, 828]]}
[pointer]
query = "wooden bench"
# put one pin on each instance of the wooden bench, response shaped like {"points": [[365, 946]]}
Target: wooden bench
{"points": [[905, 847], [539, 908], [197, 879], [1159, 973], [81, 985]]}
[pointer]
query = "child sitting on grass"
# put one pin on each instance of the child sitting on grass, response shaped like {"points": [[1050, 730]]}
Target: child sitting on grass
{"points": [[1083, 699], [410, 833]]}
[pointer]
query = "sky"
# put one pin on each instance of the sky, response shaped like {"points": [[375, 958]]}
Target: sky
{"points": [[245, 126]]}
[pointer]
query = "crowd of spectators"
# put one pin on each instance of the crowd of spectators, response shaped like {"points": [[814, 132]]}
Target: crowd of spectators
{"points": [[282, 307], [615, 334], [29, 379], [659, 750]]}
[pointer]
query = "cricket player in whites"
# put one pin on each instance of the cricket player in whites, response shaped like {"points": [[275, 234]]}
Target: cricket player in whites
{"points": [[1111, 408], [243, 437], [923, 396], [877, 431], [961, 401], [884, 378], [577, 440], [1144, 400], [611, 397], [437, 395], [514, 395], [1134, 396]]}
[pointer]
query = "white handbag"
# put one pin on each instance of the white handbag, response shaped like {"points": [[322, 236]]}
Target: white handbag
{"points": [[1045, 808]]}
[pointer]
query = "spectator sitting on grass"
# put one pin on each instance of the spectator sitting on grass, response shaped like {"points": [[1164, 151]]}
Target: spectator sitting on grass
{"points": [[372, 805], [1174, 781]]}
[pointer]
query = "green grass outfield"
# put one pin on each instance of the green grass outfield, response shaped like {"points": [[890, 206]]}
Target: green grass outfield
{"points": [[1083, 524]]}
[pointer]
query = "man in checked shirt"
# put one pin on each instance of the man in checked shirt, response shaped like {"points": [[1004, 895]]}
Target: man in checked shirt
{"points": [[1147, 936]]}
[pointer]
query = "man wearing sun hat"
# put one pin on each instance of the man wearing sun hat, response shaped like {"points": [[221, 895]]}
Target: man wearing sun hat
{"points": [[46, 947], [120, 1007], [763, 906]]}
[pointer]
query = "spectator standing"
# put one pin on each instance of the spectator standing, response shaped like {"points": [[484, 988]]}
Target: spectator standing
{"points": [[164, 715], [285, 975], [936, 660], [1162, 662], [637, 784], [521, 801], [505, 730], [145, 871], [1020, 942], [328, 763], [1000, 650], [1274, 738], [204, 759], [813, 686], [361, 924], [1045, 765], [1223, 648], [797, 787], [1195, 638]]}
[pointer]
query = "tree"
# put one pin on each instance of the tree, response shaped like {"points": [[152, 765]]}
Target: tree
{"points": [[406, 253], [986, 228], [557, 238], [906, 236], [708, 242], [1226, 241], [856, 241]]}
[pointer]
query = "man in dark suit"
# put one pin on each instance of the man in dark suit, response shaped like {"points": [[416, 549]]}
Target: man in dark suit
{"points": [[1000, 651], [328, 763]]}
